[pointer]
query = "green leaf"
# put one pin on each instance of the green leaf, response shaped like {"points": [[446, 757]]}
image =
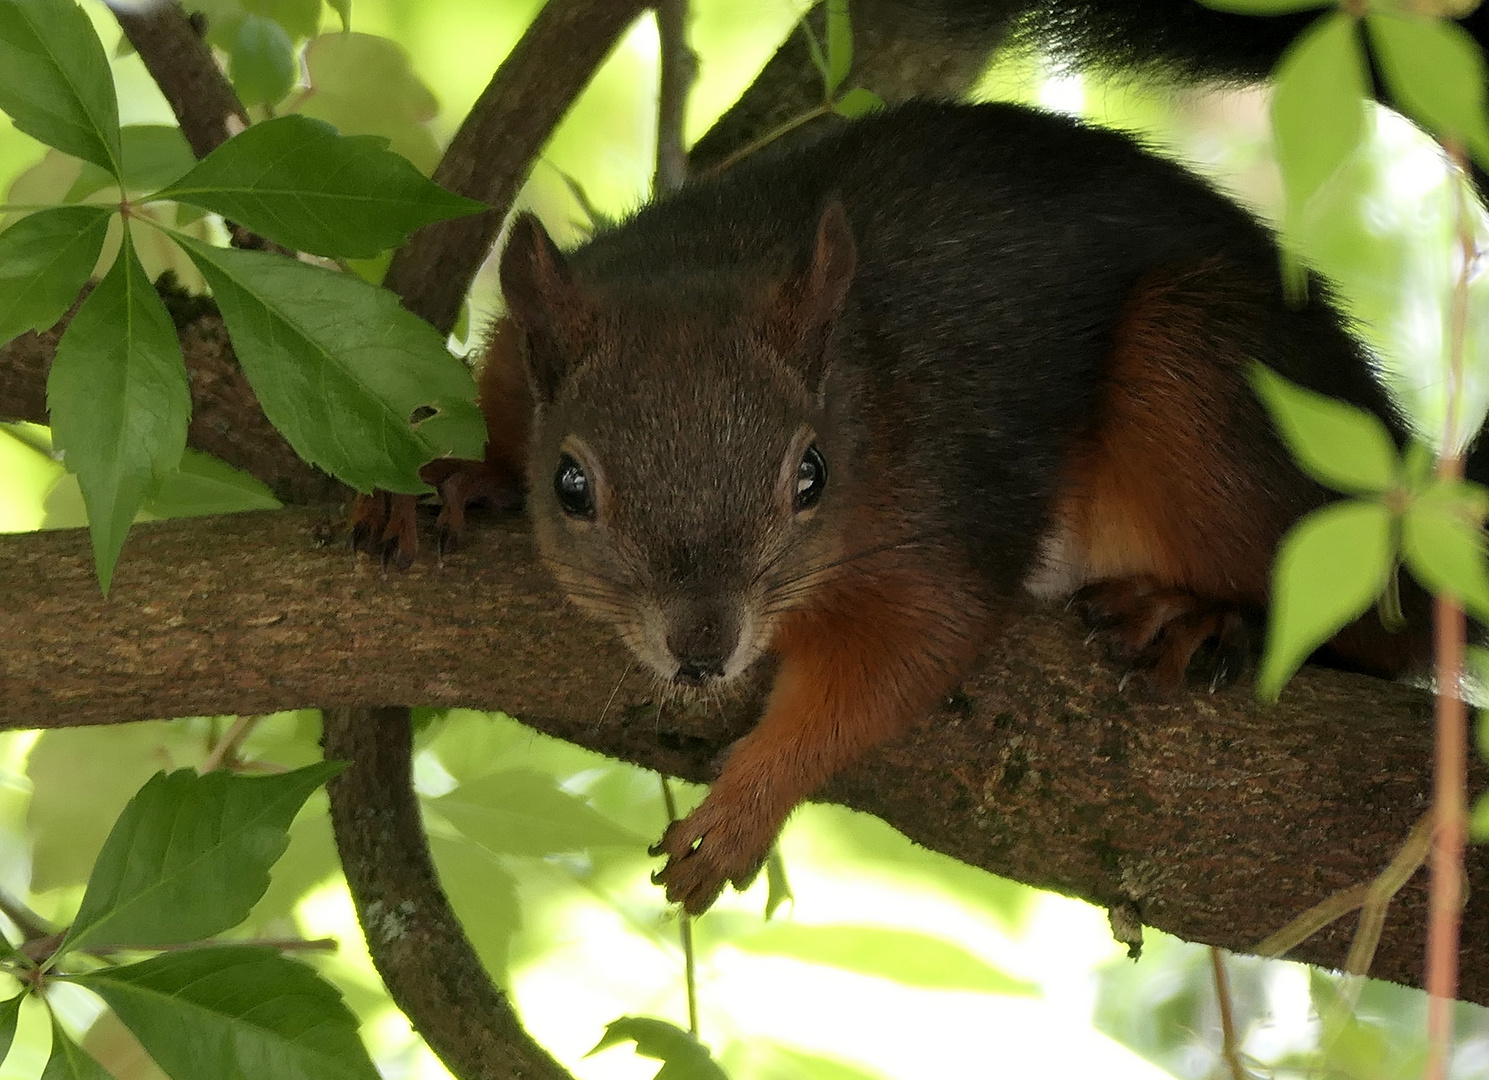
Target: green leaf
{"points": [[1478, 824], [1265, 7], [235, 1013], [263, 65], [343, 9], [364, 84], [45, 258], [483, 891], [1329, 569], [111, 764], [1442, 543], [857, 102], [906, 957], [814, 50], [154, 155], [684, 1056], [205, 485], [1436, 71], [10, 1014], [190, 855], [55, 81], [119, 402], [519, 812], [341, 367], [839, 44], [1340, 445], [297, 182], [1318, 109]]}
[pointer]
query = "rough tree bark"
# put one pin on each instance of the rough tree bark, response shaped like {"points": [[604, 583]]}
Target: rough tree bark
{"points": [[1217, 818]]}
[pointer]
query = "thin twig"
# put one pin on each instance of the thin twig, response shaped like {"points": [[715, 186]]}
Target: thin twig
{"points": [[679, 68], [685, 927], [325, 944], [492, 153], [225, 753], [182, 65], [1450, 797], [1230, 1050], [769, 137]]}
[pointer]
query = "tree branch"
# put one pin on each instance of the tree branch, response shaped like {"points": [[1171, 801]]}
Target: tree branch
{"points": [[900, 51], [413, 934], [182, 65], [1216, 818], [494, 149]]}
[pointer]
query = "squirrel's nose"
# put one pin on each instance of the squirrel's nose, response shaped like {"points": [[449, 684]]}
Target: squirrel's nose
{"points": [[696, 671]]}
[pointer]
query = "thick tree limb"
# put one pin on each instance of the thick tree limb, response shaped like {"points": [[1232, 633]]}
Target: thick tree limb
{"points": [[1216, 818], [412, 932], [182, 65], [900, 51], [491, 154]]}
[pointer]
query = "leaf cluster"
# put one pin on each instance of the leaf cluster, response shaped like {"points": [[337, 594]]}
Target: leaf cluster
{"points": [[186, 860], [356, 384]]}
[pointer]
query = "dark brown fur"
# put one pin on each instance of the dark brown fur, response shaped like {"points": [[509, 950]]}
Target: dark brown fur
{"points": [[1020, 347]]}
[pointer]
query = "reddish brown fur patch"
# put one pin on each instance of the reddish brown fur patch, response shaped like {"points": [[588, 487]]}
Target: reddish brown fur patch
{"points": [[871, 654], [1161, 487]]}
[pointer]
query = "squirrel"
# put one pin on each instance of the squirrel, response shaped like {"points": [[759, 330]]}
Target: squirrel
{"points": [[842, 401]]}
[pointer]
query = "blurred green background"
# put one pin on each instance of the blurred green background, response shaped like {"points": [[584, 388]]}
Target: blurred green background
{"points": [[889, 961]]}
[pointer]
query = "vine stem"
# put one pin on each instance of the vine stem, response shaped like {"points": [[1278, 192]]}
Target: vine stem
{"points": [[1450, 755], [685, 928], [1230, 1049]]}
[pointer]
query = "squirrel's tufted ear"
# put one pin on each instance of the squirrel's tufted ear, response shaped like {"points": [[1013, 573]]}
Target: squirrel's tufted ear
{"points": [[543, 300], [808, 306]]}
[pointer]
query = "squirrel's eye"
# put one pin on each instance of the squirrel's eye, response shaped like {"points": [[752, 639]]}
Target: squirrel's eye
{"points": [[571, 485], [811, 478]]}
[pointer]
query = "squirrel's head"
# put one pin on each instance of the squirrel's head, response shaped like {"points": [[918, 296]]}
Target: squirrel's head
{"points": [[682, 478]]}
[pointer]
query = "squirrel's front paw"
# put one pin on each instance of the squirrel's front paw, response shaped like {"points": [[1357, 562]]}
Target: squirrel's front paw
{"points": [[709, 847]]}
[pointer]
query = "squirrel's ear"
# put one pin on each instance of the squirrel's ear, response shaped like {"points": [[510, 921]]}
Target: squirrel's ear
{"points": [[542, 299], [809, 305]]}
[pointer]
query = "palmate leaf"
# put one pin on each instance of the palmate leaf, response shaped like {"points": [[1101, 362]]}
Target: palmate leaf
{"points": [[55, 81], [189, 856], [341, 367], [45, 258], [683, 1057], [119, 402], [299, 183], [235, 1013]]}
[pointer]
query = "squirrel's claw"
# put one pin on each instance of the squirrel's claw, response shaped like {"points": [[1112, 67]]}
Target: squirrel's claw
{"points": [[706, 851]]}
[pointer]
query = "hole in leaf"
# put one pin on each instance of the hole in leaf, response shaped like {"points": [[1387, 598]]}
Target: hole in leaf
{"points": [[420, 414]]}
